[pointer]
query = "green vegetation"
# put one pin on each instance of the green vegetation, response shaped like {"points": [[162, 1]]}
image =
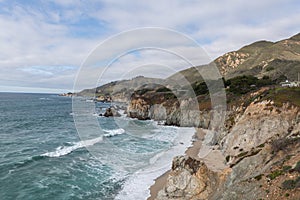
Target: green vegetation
{"points": [[142, 91], [278, 57], [242, 154], [275, 174], [261, 145], [200, 88], [227, 158], [286, 168], [281, 78], [270, 68], [291, 184], [244, 84], [258, 177], [287, 195], [163, 89], [283, 144], [169, 95], [283, 95]]}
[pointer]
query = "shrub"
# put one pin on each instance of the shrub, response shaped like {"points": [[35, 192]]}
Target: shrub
{"points": [[244, 84], [258, 177], [200, 88], [242, 154], [286, 168], [275, 174], [288, 184], [227, 158], [283, 143], [142, 91], [264, 81], [281, 78], [170, 95], [163, 89], [241, 84]]}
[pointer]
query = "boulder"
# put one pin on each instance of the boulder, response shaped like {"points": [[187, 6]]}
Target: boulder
{"points": [[111, 112]]}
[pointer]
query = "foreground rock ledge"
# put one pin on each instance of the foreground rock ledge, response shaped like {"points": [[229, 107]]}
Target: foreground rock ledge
{"points": [[190, 179]]}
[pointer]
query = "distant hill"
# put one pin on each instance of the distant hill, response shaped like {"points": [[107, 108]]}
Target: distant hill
{"points": [[259, 59], [262, 58], [121, 90]]}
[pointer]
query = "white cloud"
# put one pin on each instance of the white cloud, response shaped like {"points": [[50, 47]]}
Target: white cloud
{"points": [[50, 36]]}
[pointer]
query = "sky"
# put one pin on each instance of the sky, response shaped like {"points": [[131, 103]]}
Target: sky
{"points": [[43, 44]]}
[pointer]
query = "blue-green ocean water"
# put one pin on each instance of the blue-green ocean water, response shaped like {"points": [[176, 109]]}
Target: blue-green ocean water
{"points": [[42, 157]]}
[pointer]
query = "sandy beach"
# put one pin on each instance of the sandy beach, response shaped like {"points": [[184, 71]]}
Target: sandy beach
{"points": [[192, 151], [158, 185], [214, 160]]}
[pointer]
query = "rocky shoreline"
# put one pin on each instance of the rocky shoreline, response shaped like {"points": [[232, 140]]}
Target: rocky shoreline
{"points": [[256, 156], [190, 162], [251, 153]]}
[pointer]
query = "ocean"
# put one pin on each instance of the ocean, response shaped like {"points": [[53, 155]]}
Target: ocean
{"points": [[42, 156]]}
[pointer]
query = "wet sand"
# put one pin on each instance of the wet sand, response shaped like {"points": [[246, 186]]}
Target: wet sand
{"points": [[213, 159], [192, 151], [158, 185]]}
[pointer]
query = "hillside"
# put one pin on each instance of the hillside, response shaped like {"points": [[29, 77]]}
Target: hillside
{"points": [[258, 142], [121, 90], [262, 58]]}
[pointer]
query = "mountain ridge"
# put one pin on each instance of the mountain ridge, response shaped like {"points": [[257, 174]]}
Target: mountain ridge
{"points": [[253, 59]]}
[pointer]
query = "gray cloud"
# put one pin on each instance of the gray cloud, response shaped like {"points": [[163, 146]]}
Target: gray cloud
{"points": [[33, 37]]}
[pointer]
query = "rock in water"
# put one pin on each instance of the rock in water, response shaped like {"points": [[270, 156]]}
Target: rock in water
{"points": [[111, 112]]}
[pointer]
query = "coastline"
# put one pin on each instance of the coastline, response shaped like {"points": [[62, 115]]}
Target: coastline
{"points": [[138, 184], [191, 151], [158, 185]]}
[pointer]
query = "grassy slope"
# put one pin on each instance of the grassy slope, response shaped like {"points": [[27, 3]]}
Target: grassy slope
{"points": [[283, 56], [284, 95]]}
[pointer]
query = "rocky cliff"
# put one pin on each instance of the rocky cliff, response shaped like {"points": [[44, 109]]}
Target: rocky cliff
{"points": [[165, 107], [261, 145]]}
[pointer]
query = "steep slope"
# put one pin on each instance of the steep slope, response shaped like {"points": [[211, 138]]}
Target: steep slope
{"points": [[261, 148], [262, 58]]}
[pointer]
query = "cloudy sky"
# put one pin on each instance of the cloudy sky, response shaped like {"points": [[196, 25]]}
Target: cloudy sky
{"points": [[43, 43]]}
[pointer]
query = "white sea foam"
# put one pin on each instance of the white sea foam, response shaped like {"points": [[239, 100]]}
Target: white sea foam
{"points": [[110, 133], [64, 150], [95, 114], [44, 98], [137, 186]]}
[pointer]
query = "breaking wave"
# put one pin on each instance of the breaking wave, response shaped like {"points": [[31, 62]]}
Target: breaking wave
{"points": [[63, 150], [111, 133]]}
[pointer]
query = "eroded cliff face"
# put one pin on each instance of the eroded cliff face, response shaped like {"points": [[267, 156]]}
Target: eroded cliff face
{"points": [[184, 113], [261, 146], [230, 61], [259, 122], [138, 108]]}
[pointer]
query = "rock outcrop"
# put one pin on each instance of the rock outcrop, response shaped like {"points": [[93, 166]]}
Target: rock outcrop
{"points": [[259, 122], [139, 108], [111, 112], [184, 114], [190, 179], [231, 61], [261, 146]]}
